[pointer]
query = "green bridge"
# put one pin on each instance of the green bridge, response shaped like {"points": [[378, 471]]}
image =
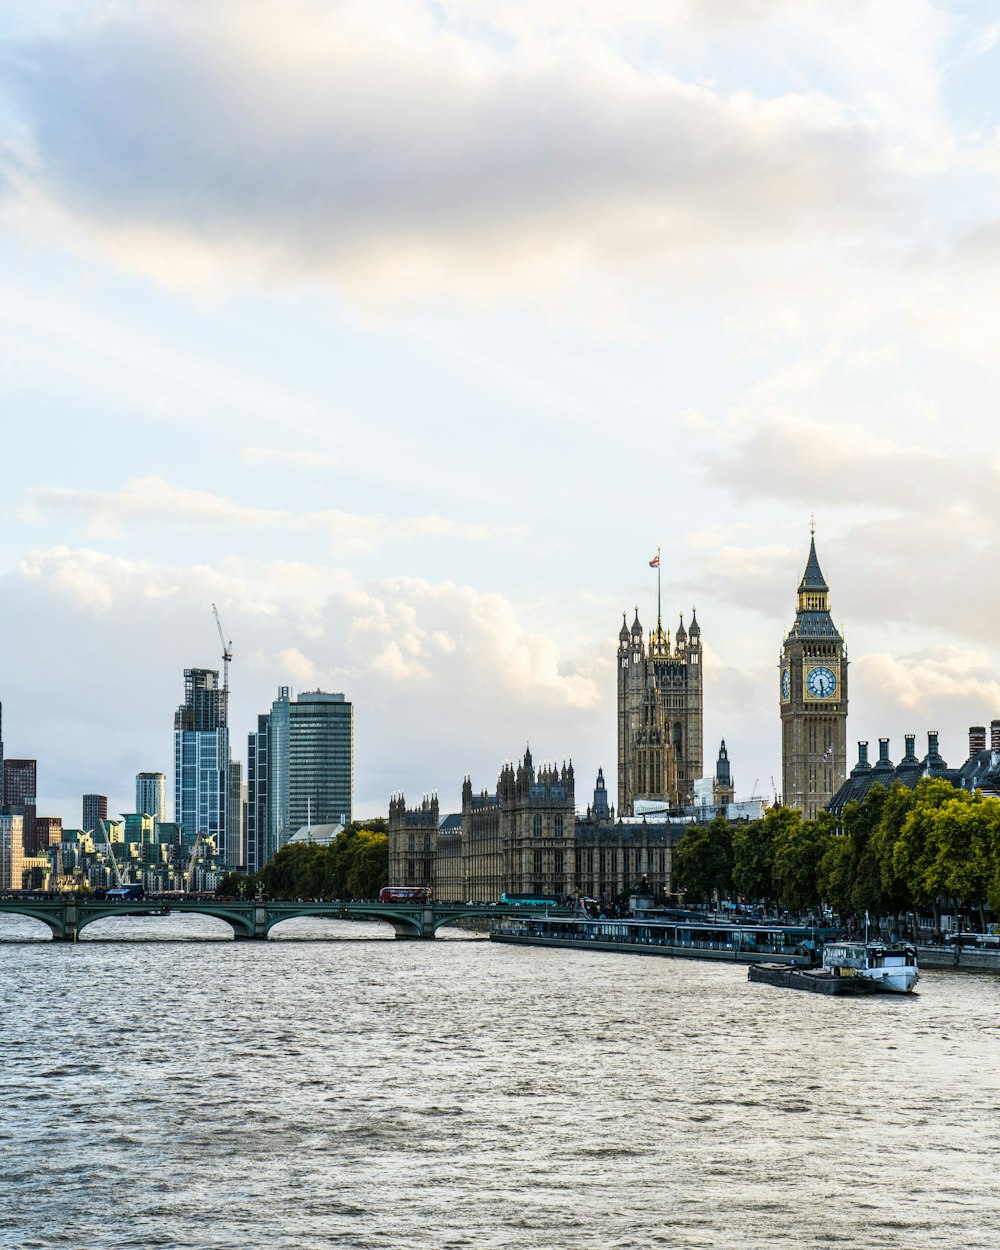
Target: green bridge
{"points": [[252, 919]]}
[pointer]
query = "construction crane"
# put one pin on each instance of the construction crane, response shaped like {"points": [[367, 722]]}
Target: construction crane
{"points": [[193, 861], [111, 854], [227, 649]]}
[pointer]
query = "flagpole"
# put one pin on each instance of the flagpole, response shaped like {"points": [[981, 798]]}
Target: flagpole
{"points": [[659, 584]]}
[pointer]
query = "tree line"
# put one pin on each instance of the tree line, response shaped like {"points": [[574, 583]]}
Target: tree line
{"points": [[354, 865], [897, 850]]}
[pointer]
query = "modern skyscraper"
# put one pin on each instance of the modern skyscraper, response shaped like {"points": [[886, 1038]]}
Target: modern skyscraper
{"points": [[320, 759], [20, 788], [151, 795], [95, 809], [234, 814], [300, 769], [256, 852], [201, 761], [812, 687]]}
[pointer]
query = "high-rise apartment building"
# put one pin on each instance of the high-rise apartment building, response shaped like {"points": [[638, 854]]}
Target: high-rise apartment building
{"points": [[300, 770], [255, 849], [201, 761], [11, 851], [95, 809], [20, 788], [48, 832], [151, 795]]}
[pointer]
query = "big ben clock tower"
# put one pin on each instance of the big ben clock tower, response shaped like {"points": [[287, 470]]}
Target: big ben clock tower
{"points": [[812, 676]]}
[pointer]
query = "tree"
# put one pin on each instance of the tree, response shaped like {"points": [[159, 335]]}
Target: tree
{"points": [[703, 860], [369, 868], [753, 852], [963, 843], [914, 853], [798, 854]]}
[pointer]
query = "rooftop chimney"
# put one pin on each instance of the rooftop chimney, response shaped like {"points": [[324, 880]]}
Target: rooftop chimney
{"points": [[995, 735], [977, 739]]}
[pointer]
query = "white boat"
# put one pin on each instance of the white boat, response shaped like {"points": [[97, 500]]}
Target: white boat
{"points": [[886, 967]]}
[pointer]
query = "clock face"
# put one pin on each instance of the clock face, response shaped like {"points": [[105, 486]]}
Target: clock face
{"points": [[786, 684], [821, 682]]}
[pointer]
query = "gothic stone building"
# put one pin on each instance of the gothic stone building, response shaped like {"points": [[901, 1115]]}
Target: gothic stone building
{"points": [[812, 684], [526, 837], [660, 700]]}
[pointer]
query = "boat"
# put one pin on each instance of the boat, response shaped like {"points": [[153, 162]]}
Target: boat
{"points": [[891, 967], [815, 980]]}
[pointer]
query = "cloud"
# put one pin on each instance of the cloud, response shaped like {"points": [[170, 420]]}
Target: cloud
{"points": [[444, 678], [108, 514], [392, 151], [926, 681], [300, 459], [810, 462]]}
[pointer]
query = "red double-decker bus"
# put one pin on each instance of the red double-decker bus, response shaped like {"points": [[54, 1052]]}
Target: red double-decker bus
{"points": [[404, 894]]}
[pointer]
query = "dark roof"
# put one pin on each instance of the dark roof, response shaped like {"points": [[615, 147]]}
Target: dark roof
{"points": [[980, 772], [812, 578], [815, 625]]}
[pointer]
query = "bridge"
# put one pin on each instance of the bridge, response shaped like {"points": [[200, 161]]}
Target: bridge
{"points": [[253, 919]]}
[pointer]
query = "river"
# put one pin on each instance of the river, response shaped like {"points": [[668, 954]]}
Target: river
{"points": [[367, 1093]]}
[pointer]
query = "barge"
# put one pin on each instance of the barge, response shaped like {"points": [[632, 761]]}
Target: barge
{"points": [[814, 980]]}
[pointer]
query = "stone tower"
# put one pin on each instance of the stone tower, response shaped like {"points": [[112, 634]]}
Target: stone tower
{"points": [[813, 698], [659, 714]]}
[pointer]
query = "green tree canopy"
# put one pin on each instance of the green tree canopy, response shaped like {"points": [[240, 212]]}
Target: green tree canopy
{"points": [[703, 860]]}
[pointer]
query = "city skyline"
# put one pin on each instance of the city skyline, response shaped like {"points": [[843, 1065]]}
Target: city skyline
{"points": [[410, 349]]}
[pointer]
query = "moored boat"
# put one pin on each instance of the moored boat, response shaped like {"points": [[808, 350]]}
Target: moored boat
{"points": [[888, 966]]}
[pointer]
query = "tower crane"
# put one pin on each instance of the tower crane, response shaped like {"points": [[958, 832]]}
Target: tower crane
{"points": [[111, 855], [193, 862], [227, 649]]}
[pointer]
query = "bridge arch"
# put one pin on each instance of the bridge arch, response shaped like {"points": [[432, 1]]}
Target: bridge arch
{"points": [[405, 924], [51, 920]]}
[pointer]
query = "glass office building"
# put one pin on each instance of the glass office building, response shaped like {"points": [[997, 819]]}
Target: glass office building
{"points": [[300, 769], [201, 761]]}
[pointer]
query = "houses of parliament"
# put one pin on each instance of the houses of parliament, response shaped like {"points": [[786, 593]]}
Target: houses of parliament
{"points": [[525, 835]]}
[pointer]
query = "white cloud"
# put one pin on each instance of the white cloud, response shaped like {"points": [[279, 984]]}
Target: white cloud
{"points": [[151, 500], [444, 678], [929, 680], [300, 459], [397, 153]]}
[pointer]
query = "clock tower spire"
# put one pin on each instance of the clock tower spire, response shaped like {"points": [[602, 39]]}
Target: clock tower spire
{"points": [[813, 697]]}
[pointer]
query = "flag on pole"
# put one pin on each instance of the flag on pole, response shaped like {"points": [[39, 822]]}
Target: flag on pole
{"points": [[655, 562], [828, 753]]}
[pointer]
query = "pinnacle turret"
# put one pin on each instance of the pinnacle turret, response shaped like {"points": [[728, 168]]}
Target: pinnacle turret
{"points": [[812, 578]]}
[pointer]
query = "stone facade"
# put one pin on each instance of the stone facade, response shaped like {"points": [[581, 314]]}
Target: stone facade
{"points": [[660, 703], [812, 689], [526, 838]]}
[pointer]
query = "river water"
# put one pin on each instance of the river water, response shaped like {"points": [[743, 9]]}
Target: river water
{"points": [[363, 1092]]}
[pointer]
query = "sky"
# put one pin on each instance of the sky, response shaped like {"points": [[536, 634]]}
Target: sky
{"points": [[406, 333]]}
